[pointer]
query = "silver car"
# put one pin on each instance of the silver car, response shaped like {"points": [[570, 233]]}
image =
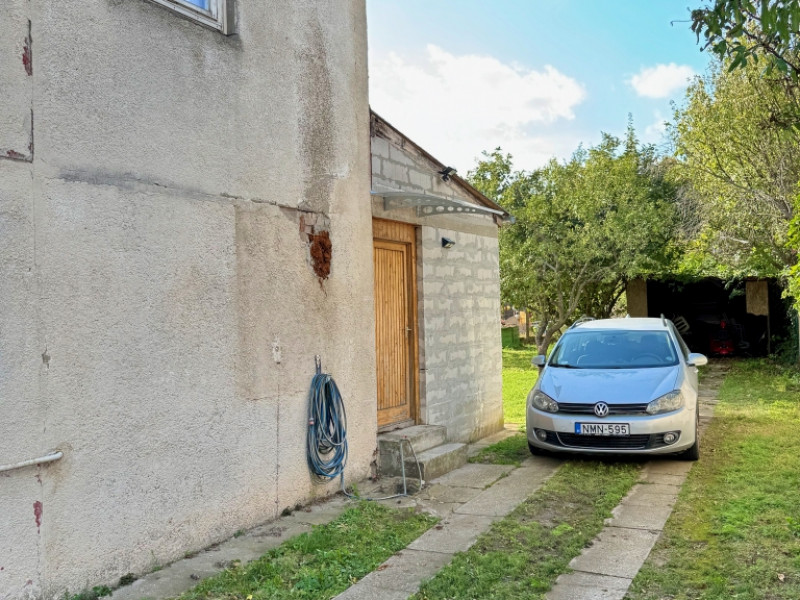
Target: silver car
{"points": [[617, 386]]}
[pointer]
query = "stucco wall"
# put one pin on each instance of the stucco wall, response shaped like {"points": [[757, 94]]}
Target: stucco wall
{"points": [[459, 295], [159, 312]]}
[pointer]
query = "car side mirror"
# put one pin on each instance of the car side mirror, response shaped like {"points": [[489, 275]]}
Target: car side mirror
{"points": [[539, 360], [696, 360]]}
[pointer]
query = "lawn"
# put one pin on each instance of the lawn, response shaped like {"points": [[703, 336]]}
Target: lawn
{"points": [[522, 555], [321, 564], [518, 379], [735, 532]]}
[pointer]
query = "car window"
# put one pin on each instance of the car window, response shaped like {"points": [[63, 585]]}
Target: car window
{"points": [[614, 349]]}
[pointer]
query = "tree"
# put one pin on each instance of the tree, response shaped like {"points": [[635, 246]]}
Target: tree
{"points": [[582, 228], [738, 165], [746, 32]]}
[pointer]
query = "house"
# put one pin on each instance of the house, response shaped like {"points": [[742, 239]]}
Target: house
{"points": [[435, 243], [186, 222]]}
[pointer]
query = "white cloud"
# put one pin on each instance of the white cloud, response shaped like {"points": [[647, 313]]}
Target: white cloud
{"points": [[457, 106], [662, 80], [655, 131]]}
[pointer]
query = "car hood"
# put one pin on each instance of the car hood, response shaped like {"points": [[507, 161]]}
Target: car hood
{"points": [[619, 386]]}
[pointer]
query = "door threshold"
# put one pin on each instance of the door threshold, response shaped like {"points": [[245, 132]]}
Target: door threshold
{"points": [[396, 426]]}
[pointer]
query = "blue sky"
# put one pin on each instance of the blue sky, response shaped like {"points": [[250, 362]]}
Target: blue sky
{"points": [[534, 77]]}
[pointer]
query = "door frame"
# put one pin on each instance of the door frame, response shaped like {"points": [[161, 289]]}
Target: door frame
{"points": [[405, 233]]}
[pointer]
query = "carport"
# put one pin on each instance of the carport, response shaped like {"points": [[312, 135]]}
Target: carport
{"points": [[715, 316]]}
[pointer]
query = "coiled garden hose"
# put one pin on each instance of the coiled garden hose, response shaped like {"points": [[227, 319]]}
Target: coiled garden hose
{"points": [[326, 447], [326, 441]]}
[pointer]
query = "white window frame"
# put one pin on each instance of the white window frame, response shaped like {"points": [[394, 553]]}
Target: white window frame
{"points": [[219, 16]]}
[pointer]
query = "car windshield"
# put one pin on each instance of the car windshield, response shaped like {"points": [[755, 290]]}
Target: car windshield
{"points": [[614, 349]]}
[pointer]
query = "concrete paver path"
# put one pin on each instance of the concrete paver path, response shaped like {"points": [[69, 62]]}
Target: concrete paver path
{"points": [[605, 570]]}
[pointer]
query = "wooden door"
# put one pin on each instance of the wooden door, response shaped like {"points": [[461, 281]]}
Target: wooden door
{"points": [[395, 322]]}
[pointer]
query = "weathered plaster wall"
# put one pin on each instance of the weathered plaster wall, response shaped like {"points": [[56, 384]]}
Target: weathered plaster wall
{"points": [[159, 312], [459, 297]]}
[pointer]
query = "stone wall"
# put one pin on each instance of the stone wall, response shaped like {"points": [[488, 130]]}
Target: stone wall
{"points": [[462, 366], [160, 300]]}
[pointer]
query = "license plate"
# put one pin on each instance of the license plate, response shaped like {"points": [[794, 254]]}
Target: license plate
{"points": [[615, 429]]}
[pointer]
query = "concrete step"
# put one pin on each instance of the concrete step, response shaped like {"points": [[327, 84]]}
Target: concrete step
{"points": [[421, 437], [437, 461]]}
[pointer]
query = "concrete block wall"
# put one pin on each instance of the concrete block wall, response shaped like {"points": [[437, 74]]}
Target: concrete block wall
{"points": [[460, 347], [159, 306]]}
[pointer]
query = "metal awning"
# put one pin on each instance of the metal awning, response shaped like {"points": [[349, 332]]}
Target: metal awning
{"points": [[428, 204]]}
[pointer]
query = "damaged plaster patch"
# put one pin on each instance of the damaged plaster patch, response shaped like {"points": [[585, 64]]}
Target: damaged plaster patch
{"points": [[321, 253], [27, 52], [314, 229]]}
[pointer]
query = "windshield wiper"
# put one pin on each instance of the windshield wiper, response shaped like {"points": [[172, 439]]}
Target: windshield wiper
{"points": [[564, 366]]}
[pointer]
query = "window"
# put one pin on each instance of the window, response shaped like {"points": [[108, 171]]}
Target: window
{"points": [[217, 14]]}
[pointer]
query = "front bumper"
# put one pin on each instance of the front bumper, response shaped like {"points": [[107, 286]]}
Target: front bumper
{"points": [[646, 433]]}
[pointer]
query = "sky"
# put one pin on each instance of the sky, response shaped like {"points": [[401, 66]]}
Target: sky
{"points": [[537, 78]]}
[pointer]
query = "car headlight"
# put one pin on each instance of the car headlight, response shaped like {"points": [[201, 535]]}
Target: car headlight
{"points": [[666, 403], [542, 401]]}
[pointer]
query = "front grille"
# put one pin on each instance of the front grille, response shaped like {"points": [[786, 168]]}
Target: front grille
{"points": [[631, 442], [579, 408]]}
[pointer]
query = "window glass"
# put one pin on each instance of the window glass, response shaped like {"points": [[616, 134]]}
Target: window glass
{"points": [[613, 349], [199, 3]]}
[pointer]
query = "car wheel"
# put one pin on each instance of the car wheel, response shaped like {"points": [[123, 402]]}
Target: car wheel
{"points": [[693, 453]]}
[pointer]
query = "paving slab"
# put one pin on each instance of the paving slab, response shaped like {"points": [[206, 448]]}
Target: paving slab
{"points": [[448, 493], [617, 551], [670, 467], [589, 586], [473, 476], [407, 569], [637, 516], [505, 495], [665, 478], [655, 489], [457, 534], [370, 591]]}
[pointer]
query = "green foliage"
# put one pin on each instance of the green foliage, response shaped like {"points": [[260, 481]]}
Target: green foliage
{"points": [[320, 564], [519, 376], [733, 533], [99, 591], [745, 33], [582, 228], [522, 555], [738, 167]]}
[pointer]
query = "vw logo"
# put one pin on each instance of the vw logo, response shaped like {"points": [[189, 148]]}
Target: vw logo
{"points": [[601, 409]]}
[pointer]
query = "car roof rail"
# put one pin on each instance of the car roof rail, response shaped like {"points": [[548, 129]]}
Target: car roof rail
{"points": [[582, 319], [663, 320]]}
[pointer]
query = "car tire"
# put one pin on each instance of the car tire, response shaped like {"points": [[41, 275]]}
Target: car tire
{"points": [[693, 453]]}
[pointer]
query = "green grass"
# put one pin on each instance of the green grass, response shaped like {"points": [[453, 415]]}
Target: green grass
{"points": [[518, 379], [322, 563], [735, 532], [510, 451], [522, 555]]}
